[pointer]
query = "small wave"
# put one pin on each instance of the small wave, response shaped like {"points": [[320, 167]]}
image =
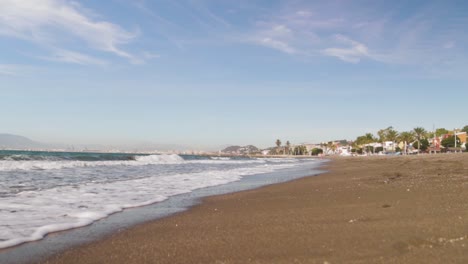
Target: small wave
{"points": [[10, 165], [157, 159], [21, 157], [220, 158], [17, 155]]}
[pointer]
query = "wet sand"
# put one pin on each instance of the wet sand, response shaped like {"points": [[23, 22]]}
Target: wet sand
{"points": [[411, 209]]}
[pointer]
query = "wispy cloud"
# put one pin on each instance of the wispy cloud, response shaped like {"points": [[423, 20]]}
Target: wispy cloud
{"points": [[8, 69], [52, 23], [354, 32], [185, 22], [293, 32], [352, 53], [276, 44], [16, 70], [203, 11], [74, 57], [277, 37]]}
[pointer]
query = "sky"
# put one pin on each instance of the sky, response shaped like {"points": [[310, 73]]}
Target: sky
{"points": [[206, 73]]}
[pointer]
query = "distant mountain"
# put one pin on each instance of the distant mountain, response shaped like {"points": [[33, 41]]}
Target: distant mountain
{"points": [[238, 150], [17, 142], [10, 141]]}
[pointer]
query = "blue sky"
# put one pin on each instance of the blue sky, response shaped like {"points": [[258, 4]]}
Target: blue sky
{"points": [[210, 73]]}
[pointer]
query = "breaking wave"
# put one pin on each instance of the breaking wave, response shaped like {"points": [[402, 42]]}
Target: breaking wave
{"points": [[61, 163]]}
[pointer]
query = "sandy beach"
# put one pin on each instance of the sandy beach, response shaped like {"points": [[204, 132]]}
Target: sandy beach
{"points": [[406, 209]]}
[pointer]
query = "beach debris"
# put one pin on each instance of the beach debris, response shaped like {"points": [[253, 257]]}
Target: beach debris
{"points": [[444, 241]]}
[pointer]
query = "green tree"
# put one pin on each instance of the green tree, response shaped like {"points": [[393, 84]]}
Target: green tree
{"points": [[441, 131], [278, 145], [449, 142], [406, 137], [316, 151], [387, 134], [383, 136], [424, 144], [288, 147], [392, 135], [420, 133], [331, 146], [365, 140], [382, 133], [324, 147], [300, 150], [465, 129]]}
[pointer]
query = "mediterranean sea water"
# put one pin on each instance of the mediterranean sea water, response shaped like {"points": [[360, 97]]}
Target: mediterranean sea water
{"points": [[44, 192]]}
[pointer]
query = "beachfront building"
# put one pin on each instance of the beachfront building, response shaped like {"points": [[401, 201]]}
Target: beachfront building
{"points": [[435, 146], [344, 151], [389, 146], [461, 136], [436, 142]]}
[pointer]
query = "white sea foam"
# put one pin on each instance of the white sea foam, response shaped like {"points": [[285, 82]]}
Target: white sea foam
{"points": [[220, 158], [9, 165], [30, 215], [158, 159]]}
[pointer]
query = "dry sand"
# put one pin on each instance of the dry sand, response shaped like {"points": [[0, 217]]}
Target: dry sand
{"points": [[411, 209]]}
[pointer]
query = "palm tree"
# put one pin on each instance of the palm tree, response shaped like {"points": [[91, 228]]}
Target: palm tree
{"points": [[331, 146], [355, 146], [324, 147], [278, 144], [392, 135], [369, 138], [420, 134], [406, 138], [365, 140], [382, 133], [288, 147]]}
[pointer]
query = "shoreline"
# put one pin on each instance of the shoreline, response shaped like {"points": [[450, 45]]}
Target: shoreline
{"points": [[57, 242], [378, 209]]}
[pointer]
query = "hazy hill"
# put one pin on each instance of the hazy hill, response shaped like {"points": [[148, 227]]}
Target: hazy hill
{"points": [[240, 150], [17, 142], [10, 141]]}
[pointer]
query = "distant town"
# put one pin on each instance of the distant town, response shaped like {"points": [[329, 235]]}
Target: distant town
{"points": [[386, 141]]}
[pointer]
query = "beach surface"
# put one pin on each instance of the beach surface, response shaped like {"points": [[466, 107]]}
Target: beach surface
{"points": [[406, 209]]}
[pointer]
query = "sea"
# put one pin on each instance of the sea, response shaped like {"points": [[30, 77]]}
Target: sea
{"points": [[44, 192]]}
